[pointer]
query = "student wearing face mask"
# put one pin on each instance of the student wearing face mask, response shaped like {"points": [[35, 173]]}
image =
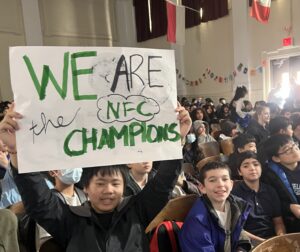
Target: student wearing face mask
{"points": [[191, 153], [64, 186]]}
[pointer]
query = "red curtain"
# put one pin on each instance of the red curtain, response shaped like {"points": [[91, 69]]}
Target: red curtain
{"points": [[212, 9]]}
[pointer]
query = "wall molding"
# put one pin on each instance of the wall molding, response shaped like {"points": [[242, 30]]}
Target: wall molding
{"points": [[100, 13], [11, 18]]}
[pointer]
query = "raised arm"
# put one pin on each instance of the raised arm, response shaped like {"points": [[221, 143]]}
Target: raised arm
{"points": [[156, 193], [8, 128], [40, 203]]}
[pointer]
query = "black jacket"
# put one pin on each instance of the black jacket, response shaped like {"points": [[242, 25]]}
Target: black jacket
{"points": [[260, 133], [79, 228], [291, 222]]}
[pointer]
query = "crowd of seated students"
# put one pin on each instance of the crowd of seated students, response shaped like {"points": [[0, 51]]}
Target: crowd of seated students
{"points": [[267, 136], [264, 199]]}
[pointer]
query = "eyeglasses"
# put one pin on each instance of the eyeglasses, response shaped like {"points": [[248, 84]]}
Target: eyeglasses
{"points": [[295, 146]]}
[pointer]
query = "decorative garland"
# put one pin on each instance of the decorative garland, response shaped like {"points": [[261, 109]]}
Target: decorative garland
{"points": [[208, 73]]}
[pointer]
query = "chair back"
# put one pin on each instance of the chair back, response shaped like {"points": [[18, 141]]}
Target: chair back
{"points": [[227, 146], [176, 209], [188, 168], [204, 161], [209, 149], [283, 243]]}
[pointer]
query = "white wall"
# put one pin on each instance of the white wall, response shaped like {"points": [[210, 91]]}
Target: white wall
{"points": [[209, 45], [111, 23], [212, 45], [78, 23], [11, 34], [269, 37], [63, 23]]}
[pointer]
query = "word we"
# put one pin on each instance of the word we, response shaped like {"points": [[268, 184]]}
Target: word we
{"points": [[123, 67]]}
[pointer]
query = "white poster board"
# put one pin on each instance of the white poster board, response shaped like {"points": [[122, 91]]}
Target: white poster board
{"points": [[94, 106]]}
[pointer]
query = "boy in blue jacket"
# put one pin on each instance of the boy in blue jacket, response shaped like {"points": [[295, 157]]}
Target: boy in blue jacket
{"points": [[215, 222]]}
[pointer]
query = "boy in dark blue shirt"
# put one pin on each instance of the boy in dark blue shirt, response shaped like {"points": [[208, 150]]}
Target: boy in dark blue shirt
{"points": [[264, 220]]}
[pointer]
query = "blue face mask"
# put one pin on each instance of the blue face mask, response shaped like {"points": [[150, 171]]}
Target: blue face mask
{"points": [[70, 176], [190, 138]]}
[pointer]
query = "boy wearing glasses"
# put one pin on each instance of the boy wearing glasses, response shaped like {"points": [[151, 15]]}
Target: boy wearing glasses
{"points": [[283, 173]]}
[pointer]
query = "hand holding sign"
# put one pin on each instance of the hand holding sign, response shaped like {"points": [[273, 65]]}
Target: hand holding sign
{"points": [[185, 120], [8, 127], [91, 106]]}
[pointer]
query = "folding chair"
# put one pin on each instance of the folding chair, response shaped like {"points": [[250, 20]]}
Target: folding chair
{"points": [[227, 146], [204, 161], [188, 168], [283, 243], [209, 149], [176, 210]]}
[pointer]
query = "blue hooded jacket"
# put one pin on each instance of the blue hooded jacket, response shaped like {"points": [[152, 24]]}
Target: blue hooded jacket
{"points": [[201, 230]]}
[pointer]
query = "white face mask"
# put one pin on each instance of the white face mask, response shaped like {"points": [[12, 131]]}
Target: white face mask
{"points": [[190, 138], [70, 176]]}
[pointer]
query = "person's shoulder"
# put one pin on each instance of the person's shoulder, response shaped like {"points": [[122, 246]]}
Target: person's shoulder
{"points": [[199, 211], [298, 167], [238, 187], [252, 124], [82, 211], [238, 201], [268, 190], [198, 206], [265, 186]]}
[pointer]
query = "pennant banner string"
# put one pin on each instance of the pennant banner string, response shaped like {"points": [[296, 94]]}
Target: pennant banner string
{"points": [[209, 74]]}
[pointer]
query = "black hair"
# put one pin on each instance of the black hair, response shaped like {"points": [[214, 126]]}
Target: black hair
{"points": [[295, 119], [278, 123], [194, 114], [227, 126], [244, 155], [110, 170], [222, 98], [246, 103], [183, 100], [241, 140], [240, 92], [3, 107], [208, 99], [201, 175], [46, 175], [274, 143], [274, 108]]}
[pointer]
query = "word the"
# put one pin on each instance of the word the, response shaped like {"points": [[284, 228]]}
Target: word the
{"points": [[46, 122]]}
